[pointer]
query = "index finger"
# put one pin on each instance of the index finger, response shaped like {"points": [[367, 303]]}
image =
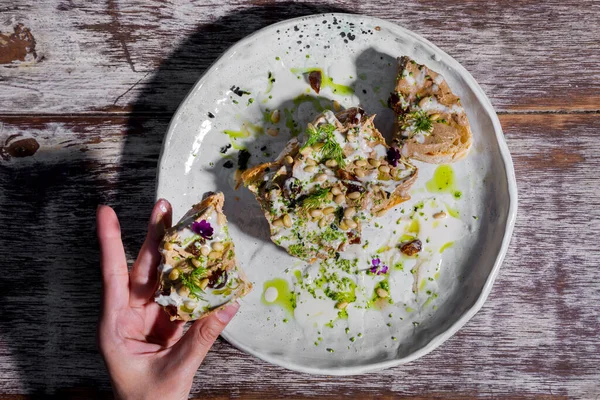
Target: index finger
{"points": [[115, 276]]}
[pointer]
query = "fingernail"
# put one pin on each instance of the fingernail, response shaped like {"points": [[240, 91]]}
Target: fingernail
{"points": [[162, 206], [226, 314]]}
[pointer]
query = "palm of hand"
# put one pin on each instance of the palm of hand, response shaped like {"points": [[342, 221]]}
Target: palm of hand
{"points": [[145, 353]]}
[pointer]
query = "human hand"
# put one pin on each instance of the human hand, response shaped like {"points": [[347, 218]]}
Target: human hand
{"points": [[145, 353]]}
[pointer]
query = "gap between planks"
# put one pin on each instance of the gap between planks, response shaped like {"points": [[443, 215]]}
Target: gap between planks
{"points": [[168, 115]]}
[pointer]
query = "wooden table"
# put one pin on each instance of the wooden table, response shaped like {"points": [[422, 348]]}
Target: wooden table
{"points": [[87, 90]]}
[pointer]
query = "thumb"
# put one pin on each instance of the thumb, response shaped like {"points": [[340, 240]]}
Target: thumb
{"points": [[191, 349]]}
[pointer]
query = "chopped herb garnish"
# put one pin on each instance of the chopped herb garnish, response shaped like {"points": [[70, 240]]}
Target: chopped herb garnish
{"points": [[331, 149], [419, 121], [315, 200], [192, 281]]}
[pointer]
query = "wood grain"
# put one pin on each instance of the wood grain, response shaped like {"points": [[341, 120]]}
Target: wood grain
{"points": [[143, 56], [536, 336]]}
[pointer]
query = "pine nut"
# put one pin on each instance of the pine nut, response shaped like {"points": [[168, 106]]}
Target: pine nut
{"points": [[287, 221], [424, 101], [336, 190], [196, 263], [353, 195], [359, 172], [183, 291], [168, 246], [382, 293], [349, 212], [275, 116], [310, 161], [439, 215], [360, 163], [218, 246], [278, 222], [309, 168], [331, 163], [306, 151], [204, 250], [339, 199], [350, 223], [215, 255], [328, 210], [203, 283], [374, 162], [174, 274], [321, 177], [322, 223], [316, 213], [289, 159], [384, 168], [329, 196], [434, 117], [318, 146], [343, 226]]}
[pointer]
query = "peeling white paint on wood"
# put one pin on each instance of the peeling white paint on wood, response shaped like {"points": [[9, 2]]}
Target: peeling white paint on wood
{"points": [[101, 55]]}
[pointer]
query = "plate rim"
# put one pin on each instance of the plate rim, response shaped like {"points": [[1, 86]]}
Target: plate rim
{"points": [[438, 340]]}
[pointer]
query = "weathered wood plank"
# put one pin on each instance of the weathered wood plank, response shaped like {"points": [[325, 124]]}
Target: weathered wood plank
{"points": [[123, 55], [536, 335]]}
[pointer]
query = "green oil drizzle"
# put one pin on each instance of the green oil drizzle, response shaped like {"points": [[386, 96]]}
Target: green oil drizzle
{"points": [[290, 123], [285, 297], [445, 246], [245, 132], [414, 227], [303, 98], [326, 81], [453, 212], [443, 181]]}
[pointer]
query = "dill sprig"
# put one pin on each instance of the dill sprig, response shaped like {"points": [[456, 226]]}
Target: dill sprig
{"points": [[420, 121], [315, 200], [192, 281], [331, 148]]}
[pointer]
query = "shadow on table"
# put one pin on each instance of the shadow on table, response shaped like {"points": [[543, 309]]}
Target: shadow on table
{"points": [[49, 303]]}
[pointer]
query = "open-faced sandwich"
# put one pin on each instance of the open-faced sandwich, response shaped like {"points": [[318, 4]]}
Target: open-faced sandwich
{"points": [[199, 272], [431, 124], [317, 193]]}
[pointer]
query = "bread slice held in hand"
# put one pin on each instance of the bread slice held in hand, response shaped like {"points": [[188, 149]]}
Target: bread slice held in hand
{"points": [[431, 124], [318, 193], [199, 273]]}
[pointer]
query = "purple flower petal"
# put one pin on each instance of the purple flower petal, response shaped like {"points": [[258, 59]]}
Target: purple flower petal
{"points": [[203, 229], [384, 269], [393, 155], [375, 262], [373, 270]]}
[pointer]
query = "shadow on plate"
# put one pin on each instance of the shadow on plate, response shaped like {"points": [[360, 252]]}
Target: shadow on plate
{"points": [[378, 73]]}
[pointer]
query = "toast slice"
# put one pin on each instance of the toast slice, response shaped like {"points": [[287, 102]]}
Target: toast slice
{"points": [[199, 273], [431, 124], [317, 194]]}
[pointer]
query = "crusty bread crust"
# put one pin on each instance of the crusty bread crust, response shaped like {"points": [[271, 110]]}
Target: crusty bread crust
{"points": [[451, 137], [256, 178], [170, 256]]}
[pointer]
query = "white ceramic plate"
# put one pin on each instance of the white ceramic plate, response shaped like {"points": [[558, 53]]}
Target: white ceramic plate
{"points": [[359, 52]]}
